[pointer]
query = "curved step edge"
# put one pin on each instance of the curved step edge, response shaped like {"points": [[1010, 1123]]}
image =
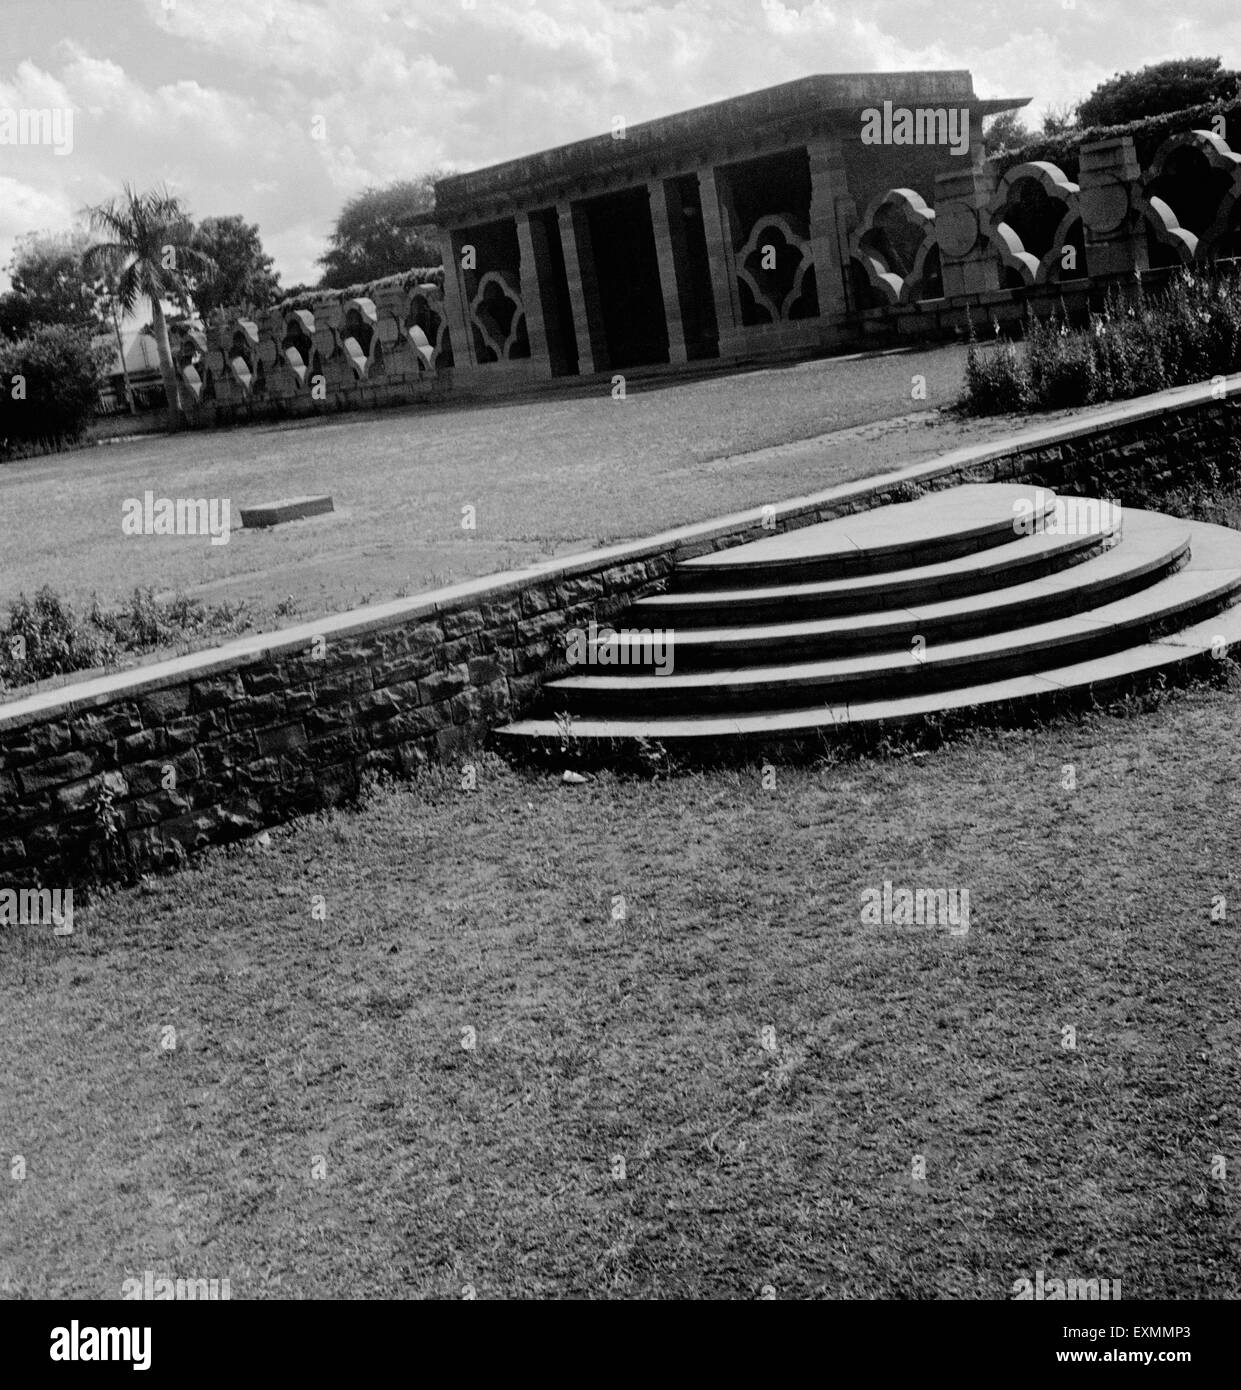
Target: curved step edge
{"points": [[1218, 635]]}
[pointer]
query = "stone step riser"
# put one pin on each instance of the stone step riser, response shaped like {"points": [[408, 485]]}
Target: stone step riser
{"points": [[697, 608], [916, 677], [1197, 646], [1163, 592], [760, 650], [808, 570]]}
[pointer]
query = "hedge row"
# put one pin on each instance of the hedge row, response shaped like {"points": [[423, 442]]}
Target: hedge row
{"points": [[1148, 134], [405, 279]]}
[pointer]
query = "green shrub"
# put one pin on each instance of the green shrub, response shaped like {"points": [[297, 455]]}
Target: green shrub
{"points": [[995, 380], [44, 637], [147, 623], [1064, 150], [49, 387], [1188, 332], [1061, 365]]}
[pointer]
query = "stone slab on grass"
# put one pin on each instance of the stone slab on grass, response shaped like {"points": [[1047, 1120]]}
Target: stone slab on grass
{"points": [[290, 509]]}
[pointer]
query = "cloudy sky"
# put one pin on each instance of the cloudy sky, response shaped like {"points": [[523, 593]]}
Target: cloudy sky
{"points": [[220, 98]]}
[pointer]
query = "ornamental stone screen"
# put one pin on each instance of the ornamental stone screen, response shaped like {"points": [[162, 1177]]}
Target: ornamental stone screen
{"points": [[805, 218], [722, 232]]}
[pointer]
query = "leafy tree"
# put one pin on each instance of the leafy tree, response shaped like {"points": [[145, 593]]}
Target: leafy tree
{"points": [[243, 275], [299, 291], [1058, 119], [1158, 88], [382, 231], [48, 271], [52, 284], [147, 248], [1004, 132], [16, 315], [57, 370]]}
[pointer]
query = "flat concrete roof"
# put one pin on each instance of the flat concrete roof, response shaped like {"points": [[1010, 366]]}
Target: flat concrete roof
{"points": [[698, 129]]}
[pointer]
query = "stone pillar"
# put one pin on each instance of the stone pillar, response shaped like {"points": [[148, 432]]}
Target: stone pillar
{"points": [[978, 144], [455, 304], [717, 225], [390, 306], [1110, 180], [579, 264], [534, 273], [829, 191], [669, 247], [967, 259]]}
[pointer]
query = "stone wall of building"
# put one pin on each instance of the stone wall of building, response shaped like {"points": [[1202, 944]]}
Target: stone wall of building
{"points": [[991, 248], [829, 263], [131, 772], [380, 344]]}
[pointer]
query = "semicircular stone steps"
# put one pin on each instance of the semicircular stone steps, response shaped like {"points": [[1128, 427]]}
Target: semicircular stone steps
{"points": [[1154, 546], [984, 515], [1003, 593], [690, 603]]}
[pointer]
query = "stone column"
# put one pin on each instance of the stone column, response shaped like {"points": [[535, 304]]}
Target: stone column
{"points": [[1110, 180], [978, 145], [717, 225], [579, 264], [829, 191], [534, 272], [455, 304], [668, 250], [967, 259]]}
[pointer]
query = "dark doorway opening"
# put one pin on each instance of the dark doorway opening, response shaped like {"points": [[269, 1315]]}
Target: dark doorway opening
{"points": [[553, 291], [627, 277], [694, 291]]}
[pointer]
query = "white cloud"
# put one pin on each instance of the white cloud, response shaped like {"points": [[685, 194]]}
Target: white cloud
{"points": [[218, 97], [24, 208]]}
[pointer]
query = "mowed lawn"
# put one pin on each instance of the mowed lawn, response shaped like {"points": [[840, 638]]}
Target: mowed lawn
{"points": [[517, 1085], [544, 476]]}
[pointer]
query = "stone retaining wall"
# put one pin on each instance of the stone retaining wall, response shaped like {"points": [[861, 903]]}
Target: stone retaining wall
{"points": [[131, 772]]}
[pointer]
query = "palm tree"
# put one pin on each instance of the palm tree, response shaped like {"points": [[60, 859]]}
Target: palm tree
{"points": [[147, 248]]}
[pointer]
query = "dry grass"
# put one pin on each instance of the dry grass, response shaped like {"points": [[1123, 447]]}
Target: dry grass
{"points": [[545, 477], [751, 1159]]}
